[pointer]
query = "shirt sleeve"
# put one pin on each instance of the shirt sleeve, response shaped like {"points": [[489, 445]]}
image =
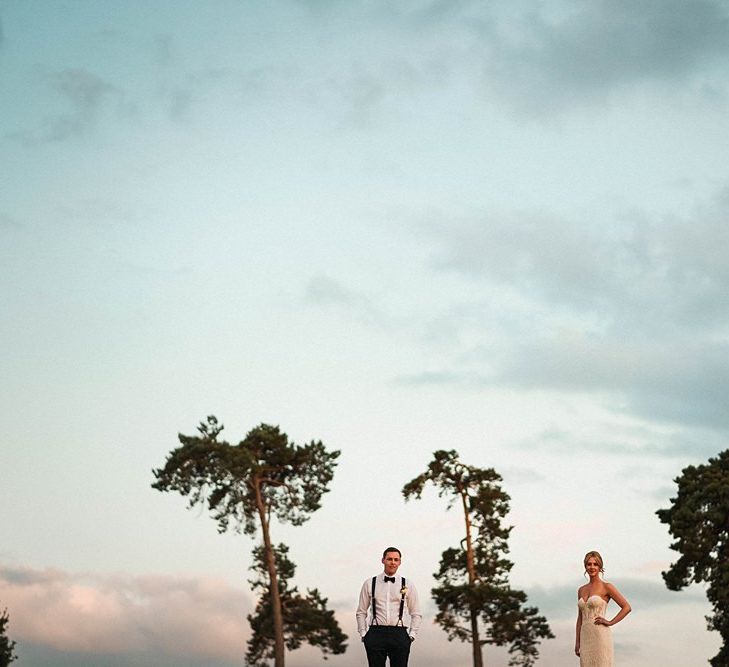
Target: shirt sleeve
{"points": [[363, 607], [416, 616]]}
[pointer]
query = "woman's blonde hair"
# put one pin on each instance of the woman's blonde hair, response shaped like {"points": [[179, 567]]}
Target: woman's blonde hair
{"points": [[596, 555]]}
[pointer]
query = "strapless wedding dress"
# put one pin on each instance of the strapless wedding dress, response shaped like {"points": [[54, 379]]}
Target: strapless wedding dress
{"points": [[596, 641]]}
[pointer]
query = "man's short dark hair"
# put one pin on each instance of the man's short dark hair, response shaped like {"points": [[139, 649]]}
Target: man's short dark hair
{"points": [[389, 549]]}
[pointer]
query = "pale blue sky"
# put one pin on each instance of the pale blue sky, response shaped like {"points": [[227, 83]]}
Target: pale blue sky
{"points": [[497, 228]]}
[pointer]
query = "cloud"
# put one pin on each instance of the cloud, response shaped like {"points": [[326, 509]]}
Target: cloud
{"points": [[553, 57], [37, 655], [85, 92], [683, 380], [540, 58], [380, 87], [636, 272], [325, 292], [363, 91], [94, 210], [561, 601], [85, 95], [119, 620], [163, 49], [189, 89], [634, 313], [441, 378], [8, 222], [520, 475], [115, 614], [632, 441]]}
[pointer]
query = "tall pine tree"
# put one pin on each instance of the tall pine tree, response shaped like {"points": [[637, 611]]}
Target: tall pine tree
{"points": [[247, 484], [475, 602]]}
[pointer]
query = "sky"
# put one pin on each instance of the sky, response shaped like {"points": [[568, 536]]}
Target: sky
{"points": [[499, 228]]}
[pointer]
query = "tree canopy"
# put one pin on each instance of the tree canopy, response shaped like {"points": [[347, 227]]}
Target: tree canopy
{"points": [[474, 577], [244, 485], [699, 520], [7, 647], [235, 481], [305, 617]]}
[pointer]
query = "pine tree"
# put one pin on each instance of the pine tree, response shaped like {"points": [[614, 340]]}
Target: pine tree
{"points": [[699, 520], [244, 485], [475, 602], [305, 617]]}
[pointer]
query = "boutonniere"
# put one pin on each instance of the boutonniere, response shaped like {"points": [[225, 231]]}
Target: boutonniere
{"points": [[404, 590]]}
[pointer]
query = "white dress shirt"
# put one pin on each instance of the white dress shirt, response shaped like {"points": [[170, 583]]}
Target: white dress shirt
{"points": [[387, 603]]}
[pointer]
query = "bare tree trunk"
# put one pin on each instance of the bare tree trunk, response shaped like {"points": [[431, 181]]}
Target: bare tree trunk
{"points": [[278, 647], [477, 653], [470, 565]]}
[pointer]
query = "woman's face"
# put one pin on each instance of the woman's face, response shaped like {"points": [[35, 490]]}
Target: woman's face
{"points": [[592, 567]]}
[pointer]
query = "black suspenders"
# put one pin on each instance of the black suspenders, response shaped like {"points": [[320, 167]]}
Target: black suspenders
{"points": [[402, 601], [374, 604]]}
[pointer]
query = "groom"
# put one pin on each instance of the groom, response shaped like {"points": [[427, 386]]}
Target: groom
{"points": [[383, 600]]}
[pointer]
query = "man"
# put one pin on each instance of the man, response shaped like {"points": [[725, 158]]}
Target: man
{"points": [[383, 601]]}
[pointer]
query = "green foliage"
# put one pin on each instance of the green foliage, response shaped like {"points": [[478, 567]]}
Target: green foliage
{"points": [[244, 486], [699, 520], [306, 617], [291, 479], [7, 647], [473, 579]]}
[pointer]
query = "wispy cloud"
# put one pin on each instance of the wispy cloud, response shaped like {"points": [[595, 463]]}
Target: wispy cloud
{"points": [[97, 211], [635, 311], [521, 475], [551, 57], [8, 222], [683, 381], [561, 601], [72, 620], [84, 94], [637, 272], [325, 292], [548, 58], [108, 614], [633, 441]]}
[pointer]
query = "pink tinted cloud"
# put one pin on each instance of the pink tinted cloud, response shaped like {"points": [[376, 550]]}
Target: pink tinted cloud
{"points": [[118, 613]]}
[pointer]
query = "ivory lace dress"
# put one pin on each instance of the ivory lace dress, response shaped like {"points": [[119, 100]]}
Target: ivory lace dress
{"points": [[596, 641]]}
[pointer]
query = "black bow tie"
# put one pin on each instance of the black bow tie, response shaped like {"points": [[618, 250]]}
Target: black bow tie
{"points": [[392, 579]]}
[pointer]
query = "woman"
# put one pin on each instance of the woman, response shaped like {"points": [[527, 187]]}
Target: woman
{"points": [[594, 642]]}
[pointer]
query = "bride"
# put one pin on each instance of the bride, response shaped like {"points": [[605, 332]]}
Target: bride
{"points": [[594, 642]]}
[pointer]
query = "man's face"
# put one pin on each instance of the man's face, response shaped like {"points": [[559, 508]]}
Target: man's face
{"points": [[391, 561]]}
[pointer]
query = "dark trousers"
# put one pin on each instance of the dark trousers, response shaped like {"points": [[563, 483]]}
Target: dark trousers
{"points": [[387, 641]]}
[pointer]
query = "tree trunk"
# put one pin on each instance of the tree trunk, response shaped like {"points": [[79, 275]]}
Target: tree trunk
{"points": [[477, 653], [278, 632], [471, 567]]}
